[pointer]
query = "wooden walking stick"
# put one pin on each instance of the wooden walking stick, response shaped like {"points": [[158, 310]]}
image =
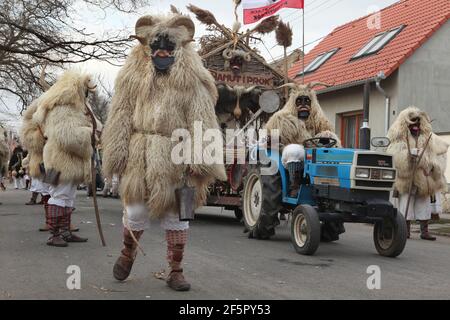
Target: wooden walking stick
{"points": [[94, 175], [415, 165]]}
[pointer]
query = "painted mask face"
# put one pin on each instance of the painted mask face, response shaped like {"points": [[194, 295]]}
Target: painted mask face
{"points": [[303, 104], [162, 53], [414, 127], [236, 64]]}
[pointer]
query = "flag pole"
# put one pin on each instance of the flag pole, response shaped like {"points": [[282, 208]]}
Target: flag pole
{"points": [[303, 44]]}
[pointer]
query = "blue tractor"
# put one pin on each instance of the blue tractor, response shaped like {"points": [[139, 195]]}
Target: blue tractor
{"points": [[338, 186]]}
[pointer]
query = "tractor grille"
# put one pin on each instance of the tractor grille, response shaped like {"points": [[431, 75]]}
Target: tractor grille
{"points": [[374, 160], [374, 184]]}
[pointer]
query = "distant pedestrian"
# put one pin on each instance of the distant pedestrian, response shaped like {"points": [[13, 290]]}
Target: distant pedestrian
{"points": [[16, 167], [4, 156]]}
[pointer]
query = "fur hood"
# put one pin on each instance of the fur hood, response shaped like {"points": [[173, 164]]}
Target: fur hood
{"points": [[291, 128], [317, 121]]}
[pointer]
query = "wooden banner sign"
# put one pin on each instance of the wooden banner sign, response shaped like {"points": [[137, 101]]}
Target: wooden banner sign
{"points": [[243, 79]]}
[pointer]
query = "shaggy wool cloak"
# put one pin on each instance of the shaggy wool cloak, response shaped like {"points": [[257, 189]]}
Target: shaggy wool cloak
{"points": [[146, 109], [61, 116], [293, 130], [429, 177], [33, 140]]}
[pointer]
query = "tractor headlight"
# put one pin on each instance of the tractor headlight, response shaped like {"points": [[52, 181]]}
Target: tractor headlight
{"points": [[388, 175], [362, 173]]}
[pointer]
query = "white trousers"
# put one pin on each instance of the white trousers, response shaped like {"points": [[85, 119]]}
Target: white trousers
{"points": [[419, 207], [63, 195], [136, 217], [40, 187], [292, 153], [18, 183]]}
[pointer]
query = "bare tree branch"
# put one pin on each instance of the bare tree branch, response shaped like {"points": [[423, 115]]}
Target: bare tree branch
{"points": [[34, 33]]}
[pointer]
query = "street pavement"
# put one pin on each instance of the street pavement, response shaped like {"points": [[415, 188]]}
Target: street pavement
{"points": [[221, 262]]}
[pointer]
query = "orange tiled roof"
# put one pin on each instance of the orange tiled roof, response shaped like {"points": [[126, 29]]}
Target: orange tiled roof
{"points": [[421, 19]]}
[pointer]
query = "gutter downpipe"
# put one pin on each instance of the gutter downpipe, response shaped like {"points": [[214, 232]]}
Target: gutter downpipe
{"points": [[364, 131], [387, 108]]}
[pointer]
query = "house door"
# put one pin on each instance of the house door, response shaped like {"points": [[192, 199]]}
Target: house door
{"points": [[350, 125]]}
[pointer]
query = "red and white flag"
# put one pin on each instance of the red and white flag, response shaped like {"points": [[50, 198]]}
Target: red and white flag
{"points": [[255, 10]]}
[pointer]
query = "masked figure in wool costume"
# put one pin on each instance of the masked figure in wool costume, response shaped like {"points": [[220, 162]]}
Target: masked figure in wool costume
{"points": [[63, 122], [301, 118], [410, 138], [4, 156], [34, 141], [162, 87]]}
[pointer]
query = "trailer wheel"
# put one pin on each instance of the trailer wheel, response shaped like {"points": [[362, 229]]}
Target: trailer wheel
{"points": [[305, 230], [390, 236], [261, 203]]}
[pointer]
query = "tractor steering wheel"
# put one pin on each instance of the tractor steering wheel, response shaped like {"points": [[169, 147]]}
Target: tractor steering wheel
{"points": [[321, 142]]}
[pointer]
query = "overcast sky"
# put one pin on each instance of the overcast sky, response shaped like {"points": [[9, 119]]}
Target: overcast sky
{"points": [[321, 17]]}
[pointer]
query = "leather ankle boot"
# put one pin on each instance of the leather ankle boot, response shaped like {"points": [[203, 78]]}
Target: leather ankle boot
{"points": [[65, 227], [124, 263], [56, 239], [33, 199], [294, 186], [424, 233], [176, 280]]}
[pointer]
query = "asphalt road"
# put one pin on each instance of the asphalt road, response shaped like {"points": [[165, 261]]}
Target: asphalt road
{"points": [[221, 263]]}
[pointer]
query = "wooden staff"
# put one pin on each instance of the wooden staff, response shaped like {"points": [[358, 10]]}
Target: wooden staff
{"points": [[94, 175], [415, 165]]}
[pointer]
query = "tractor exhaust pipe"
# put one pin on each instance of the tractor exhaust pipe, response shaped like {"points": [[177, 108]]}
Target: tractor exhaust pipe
{"points": [[364, 131]]}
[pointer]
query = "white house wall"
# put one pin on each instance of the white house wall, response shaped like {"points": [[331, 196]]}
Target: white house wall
{"points": [[347, 100], [424, 79]]}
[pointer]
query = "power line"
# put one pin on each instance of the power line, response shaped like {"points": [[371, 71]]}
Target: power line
{"points": [[295, 11], [309, 15], [292, 50], [267, 50]]}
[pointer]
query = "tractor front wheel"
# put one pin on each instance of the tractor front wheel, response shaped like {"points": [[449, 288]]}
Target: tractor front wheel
{"points": [[261, 203], [390, 236], [305, 230]]}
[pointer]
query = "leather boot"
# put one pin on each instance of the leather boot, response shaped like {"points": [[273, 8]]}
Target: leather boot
{"points": [[294, 186], [33, 199], [66, 228], [56, 240], [124, 263], [424, 233], [176, 280], [408, 229]]}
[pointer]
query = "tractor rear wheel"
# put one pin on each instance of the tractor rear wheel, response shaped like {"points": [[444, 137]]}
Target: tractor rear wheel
{"points": [[305, 230], [261, 203], [390, 236]]}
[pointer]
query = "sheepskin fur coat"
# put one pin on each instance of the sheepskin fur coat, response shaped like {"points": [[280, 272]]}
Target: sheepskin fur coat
{"points": [[4, 153], [147, 107], [293, 130], [58, 125], [429, 177], [33, 140]]}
